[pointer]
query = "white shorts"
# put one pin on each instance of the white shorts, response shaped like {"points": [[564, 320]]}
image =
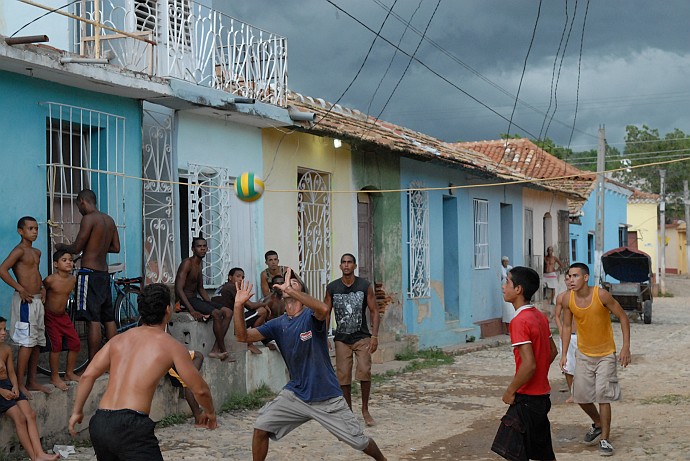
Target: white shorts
{"points": [[570, 356], [551, 280], [27, 325]]}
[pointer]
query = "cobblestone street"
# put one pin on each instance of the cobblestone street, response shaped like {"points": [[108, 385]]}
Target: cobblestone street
{"points": [[452, 412]]}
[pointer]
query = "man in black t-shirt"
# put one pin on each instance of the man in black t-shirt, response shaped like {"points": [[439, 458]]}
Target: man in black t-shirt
{"points": [[350, 297]]}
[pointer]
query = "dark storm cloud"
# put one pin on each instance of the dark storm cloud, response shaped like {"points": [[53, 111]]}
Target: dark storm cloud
{"points": [[634, 67]]}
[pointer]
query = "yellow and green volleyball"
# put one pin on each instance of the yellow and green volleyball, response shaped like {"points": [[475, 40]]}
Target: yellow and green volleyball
{"points": [[249, 187]]}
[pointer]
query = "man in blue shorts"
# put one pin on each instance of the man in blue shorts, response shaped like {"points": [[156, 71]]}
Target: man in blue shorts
{"points": [[97, 237], [313, 391]]}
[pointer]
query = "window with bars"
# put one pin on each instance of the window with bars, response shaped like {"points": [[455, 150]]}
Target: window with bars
{"points": [[145, 12], [481, 233], [418, 244], [85, 149], [216, 214]]}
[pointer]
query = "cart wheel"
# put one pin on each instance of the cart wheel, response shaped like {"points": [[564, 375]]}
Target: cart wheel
{"points": [[647, 310]]}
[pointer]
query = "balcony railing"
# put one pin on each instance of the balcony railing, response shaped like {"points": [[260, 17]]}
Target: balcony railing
{"points": [[185, 40]]}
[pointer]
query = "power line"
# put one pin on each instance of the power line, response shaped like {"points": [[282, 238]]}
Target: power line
{"points": [[522, 75], [43, 16], [426, 66], [476, 72], [409, 62], [376, 35]]}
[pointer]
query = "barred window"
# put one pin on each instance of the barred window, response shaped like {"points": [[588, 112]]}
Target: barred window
{"points": [[418, 204], [481, 233]]}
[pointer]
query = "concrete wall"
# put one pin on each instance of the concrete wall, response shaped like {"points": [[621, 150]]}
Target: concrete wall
{"points": [[23, 187], [284, 155], [219, 143], [479, 289], [381, 171], [615, 214], [642, 218], [225, 379]]}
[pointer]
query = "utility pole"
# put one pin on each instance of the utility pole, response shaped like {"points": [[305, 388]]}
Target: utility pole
{"points": [[686, 200], [662, 224], [599, 217]]}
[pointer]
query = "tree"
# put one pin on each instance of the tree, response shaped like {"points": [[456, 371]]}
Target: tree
{"points": [[644, 146]]}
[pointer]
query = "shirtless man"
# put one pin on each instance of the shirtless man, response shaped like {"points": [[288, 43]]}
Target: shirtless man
{"points": [[97, 237], [551, 273], [137, 360], [27, 321], [190, 291]]}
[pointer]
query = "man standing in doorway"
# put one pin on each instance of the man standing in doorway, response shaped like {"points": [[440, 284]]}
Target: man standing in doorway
{"points": [[551, 273], [351, 297], [97, 237]]}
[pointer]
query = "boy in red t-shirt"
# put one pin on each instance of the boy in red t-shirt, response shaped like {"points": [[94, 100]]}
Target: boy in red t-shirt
{"points": [[525, 431]]}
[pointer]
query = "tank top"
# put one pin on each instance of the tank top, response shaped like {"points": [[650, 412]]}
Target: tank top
{"points": [[594, 331]]}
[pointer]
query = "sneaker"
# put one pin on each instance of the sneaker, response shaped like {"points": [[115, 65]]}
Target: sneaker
{"points": [[592, 434], [605, 448]]}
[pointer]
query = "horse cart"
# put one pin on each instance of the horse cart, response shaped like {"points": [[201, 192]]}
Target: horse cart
{"points": [[633, 271]]}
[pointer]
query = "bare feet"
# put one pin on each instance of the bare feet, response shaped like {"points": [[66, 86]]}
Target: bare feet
{"points": [[38, 387], [25, 391], [570, 400], [47, 457], [226, 357], [71, 377], [215, 354], [368, 420], [253, 349], [198, 422], [272, 346], [60, 384]]}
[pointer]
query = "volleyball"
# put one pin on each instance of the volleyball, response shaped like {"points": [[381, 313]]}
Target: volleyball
{"points": [[249, 187]]}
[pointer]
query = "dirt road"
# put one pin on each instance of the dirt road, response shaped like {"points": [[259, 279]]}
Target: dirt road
{"points": [[452, 412]]}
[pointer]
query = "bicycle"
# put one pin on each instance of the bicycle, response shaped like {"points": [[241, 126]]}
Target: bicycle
{"points": [[125, 313]]}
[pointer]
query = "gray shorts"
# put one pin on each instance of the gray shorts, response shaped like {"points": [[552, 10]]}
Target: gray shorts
{"points": [[596, 379], [287, 412]]}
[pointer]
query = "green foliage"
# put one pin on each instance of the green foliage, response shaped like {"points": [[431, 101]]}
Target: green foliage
{"points": [[171, 420], [250, 401], [644, 146]]}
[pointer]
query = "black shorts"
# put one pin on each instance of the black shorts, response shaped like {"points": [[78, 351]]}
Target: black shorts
{"points": [[119, 435], [525, 431], [7, 404], [203, 307], [250, 317], [94, 296]]}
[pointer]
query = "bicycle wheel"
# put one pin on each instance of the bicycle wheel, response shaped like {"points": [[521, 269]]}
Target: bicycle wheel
{"points": [[82, 328], [126, 308]]}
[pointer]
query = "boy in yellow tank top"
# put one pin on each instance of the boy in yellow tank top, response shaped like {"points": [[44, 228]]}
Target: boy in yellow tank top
{"points": [[595, 378]]}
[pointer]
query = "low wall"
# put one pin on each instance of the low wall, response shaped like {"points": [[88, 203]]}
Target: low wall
{"points": [[246, 374]]}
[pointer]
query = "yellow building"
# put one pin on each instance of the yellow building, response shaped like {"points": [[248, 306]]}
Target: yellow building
{"points": [[676, 242], [643, 232]]}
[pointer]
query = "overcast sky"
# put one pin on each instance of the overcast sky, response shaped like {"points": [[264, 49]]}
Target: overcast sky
{"points": [[635, 64]]}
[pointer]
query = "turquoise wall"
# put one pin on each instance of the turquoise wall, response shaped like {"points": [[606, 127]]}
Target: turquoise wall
{"points": [[479, 289], [23, 156], [615, 214]]}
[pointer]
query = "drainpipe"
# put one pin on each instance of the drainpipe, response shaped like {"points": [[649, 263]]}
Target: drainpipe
{"points": [[26, 39], [299, 116]]}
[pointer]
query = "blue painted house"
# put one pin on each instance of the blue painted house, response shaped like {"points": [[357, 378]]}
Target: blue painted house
{"points": [[58, 139], [583, 225], [428, 234]]}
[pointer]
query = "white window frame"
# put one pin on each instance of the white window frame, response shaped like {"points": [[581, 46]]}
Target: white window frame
{"points": [[480, 212]]}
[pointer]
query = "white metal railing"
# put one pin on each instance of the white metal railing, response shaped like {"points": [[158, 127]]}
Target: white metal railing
{"points": [[185, 40], [418, 243]]}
